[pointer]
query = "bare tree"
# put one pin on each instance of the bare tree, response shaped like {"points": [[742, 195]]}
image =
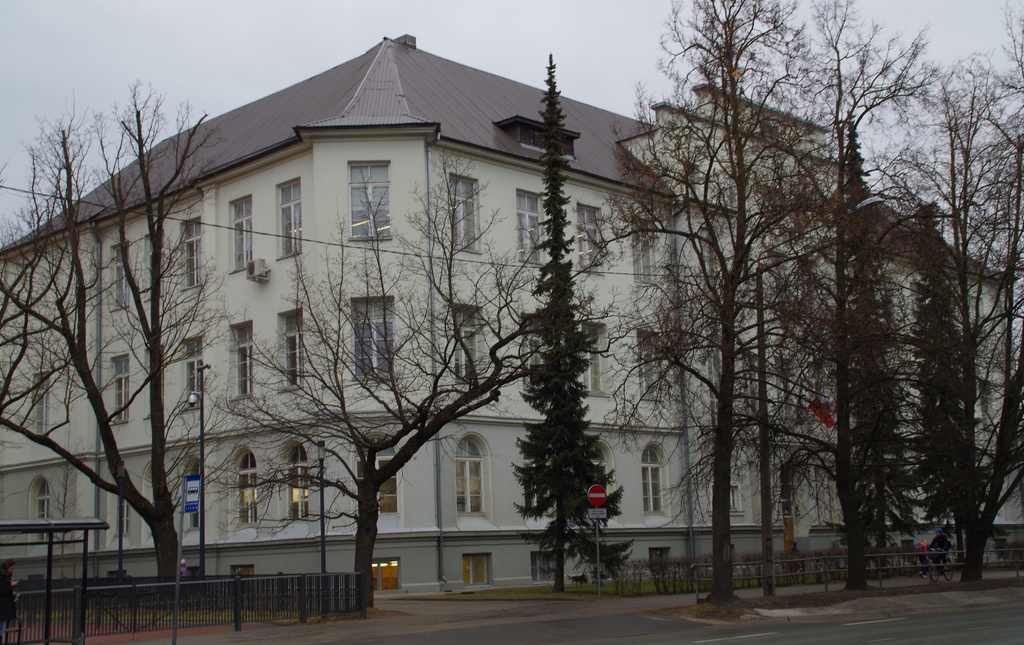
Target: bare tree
{"points": [[856, 75], [72, 311], [971, 166], [401, 337], [719, 172]]}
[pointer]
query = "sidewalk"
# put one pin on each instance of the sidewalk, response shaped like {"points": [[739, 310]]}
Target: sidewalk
{"points": [[396, 615]]}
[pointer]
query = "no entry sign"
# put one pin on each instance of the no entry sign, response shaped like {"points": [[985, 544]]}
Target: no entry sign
{"points": [[597, 495]]}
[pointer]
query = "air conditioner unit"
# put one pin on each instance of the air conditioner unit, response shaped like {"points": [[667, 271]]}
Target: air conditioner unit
{"points": [[257, 270]]}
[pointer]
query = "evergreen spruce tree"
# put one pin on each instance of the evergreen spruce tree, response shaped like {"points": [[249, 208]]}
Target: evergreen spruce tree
{"points": [[561, 459]]}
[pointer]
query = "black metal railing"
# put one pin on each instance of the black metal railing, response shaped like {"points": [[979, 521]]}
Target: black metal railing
{"points": [[150, 606]]}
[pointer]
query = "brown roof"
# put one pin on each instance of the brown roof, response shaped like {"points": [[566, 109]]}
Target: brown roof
{"points": [[397, 84]]}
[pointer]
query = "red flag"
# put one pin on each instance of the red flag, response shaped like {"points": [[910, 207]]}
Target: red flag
{"points": [[822, 410]]}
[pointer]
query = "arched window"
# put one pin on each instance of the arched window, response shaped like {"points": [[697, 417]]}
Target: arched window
{"points": [[650, 468], [298, 483], [469, 469], [42, 501], [247, 488]]}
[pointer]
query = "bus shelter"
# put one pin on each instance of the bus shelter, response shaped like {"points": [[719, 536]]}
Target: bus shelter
{"points": [[50, 529]]}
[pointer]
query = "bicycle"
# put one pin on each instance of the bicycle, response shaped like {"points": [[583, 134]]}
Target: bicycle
{"points": [[940, 566]]}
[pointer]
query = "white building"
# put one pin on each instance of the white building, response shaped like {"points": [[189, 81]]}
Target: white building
{"points": [[345, 164]]}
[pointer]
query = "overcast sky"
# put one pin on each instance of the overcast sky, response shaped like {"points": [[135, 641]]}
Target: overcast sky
{"points": [[220, 54]]}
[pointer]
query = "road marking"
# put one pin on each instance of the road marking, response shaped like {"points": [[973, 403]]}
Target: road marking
{"points": [[881, 640], [872, 622], [736, 638]]}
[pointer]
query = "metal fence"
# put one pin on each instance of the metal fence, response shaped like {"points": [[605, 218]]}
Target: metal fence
{"points": [[133, 608]]}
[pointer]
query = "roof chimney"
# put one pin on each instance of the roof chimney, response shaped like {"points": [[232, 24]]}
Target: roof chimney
{"points": [[407, 40]]}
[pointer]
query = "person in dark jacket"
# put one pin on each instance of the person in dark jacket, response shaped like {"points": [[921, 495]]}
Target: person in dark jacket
{"points": [[7, 585]]}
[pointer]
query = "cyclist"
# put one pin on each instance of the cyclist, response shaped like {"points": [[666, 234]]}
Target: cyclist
{"points": [[940, 546]]}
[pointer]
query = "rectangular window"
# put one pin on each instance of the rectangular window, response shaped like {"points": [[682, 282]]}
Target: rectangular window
{"points": [[119, 282], [291, 219], [42, 401], [462, 196], [126, 518], [528, 230], [369, 186], [643, 260], [374, 336], [735, 501], [467, 329], [595, 382], [586, 236], [243, 359], [476, 568], [385, 575], [122, 394], [193, 359], [658, 553], [241, 222], [542, 569], [647, 366], [193, 241], [292, 348]]}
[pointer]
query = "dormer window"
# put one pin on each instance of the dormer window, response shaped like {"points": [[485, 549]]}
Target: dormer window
{"points": [[530, 134]]}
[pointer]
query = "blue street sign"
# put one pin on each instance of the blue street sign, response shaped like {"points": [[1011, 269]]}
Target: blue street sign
{"points": [[192, 494]]}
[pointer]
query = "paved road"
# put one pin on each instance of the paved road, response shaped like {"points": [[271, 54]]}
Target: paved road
{"points": [[995, 616]]}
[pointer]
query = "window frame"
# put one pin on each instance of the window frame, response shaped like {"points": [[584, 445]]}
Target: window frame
{"points": [[651, 473], [471, 570], [377, 214], [469, 469], [291, 329], [595, 367], [119, 282], [121, 381], [298, 482], [643, 261], [466, 334], [42, 403], [587, 236], [243, 363], [373, 336], [248, 491], [462, 193], [192, 240], [193, 359], [290, 208], [529, 227], [241, 225]]}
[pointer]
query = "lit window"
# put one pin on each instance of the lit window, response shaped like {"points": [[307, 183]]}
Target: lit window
{"points": [[247, 489], [650, 468], [469, 465], [528, 230], [586, 236], [369, 186], [293, 348], [243, 359], [241, 222], [122, 394], [193, 240], [291, 219], [298, 476], [385, 575], [476, 568], [374, 336]]}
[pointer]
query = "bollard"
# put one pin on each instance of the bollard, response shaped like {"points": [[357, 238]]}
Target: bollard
{"points": [[238, 603]]}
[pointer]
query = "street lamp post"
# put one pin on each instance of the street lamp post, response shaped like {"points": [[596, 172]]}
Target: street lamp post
{"points": [[120, 521], [200, 398], [320, 449]]}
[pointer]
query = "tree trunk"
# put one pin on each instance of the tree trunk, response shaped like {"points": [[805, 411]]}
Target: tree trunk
{"points": [[975, 539], [165, 544], [366, 537], [857, 575]]}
